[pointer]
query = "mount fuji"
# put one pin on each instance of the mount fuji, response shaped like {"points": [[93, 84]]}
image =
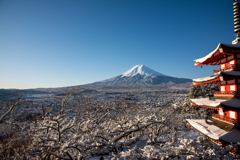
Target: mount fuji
{"points": [[141, 70], [141, 75]]}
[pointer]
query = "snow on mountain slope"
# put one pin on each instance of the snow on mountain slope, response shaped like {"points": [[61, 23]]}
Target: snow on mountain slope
{"points": [[141, 75], [141, 70]]}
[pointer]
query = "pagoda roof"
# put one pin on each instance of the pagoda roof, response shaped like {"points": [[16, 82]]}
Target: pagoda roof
{"points": [[232, 136], [207, 80], [215, 132], [216, 78], [211, 131], [214, 58], [232, 103], [205, 102], [234, 73], [204, 79]]}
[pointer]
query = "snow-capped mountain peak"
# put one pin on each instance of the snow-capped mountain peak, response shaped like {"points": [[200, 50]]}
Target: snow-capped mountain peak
{"points": [[142, 70], [141, 75]]}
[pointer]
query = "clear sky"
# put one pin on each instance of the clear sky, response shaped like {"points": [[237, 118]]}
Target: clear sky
{"points": [[58, 43]]}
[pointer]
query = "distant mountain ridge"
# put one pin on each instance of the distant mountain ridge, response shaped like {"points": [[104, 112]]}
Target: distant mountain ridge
{"points": [[138, 76], [141, 75]]}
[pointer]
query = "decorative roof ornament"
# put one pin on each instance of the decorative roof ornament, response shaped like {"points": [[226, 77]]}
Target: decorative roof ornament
{"points": [[236, 12]]}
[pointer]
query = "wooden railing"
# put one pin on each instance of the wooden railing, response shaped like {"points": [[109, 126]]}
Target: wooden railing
{"points": [[225, 118], [232, 66], [224, 92]]}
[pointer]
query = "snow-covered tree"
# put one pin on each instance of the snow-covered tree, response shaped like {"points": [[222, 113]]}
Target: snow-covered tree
{"points": [[77, 126]]}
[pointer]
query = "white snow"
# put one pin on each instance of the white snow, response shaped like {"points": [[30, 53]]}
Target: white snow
{"points": [[142, 70], [106, 157], [204, 79], [219, 47], [193, 135], [209, 130], [37, 95], [200, 60], [231, 45], [207, 102], [214, 132], [189, 134]]}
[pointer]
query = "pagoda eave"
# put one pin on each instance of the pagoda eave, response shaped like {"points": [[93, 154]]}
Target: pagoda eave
{"points": [[210, 131], [193, 104], [215, 133], [233, 73], [216, 81], [207, 80], [219, 94], [232, 103], [231, 137], [220, 52], [207, 103]]}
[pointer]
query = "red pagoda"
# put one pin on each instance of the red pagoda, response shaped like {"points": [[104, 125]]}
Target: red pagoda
{"points": [[224, 126]]}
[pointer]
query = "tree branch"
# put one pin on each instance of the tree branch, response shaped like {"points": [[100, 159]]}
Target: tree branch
{"points": [[11, 108]]}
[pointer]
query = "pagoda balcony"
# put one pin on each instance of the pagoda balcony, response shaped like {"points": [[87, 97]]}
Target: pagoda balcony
{"points": [[230, 67], [225, 118], [225, 93]]}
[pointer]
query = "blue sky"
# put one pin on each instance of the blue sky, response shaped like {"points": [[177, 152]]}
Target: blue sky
{"points": [[57, 43]]}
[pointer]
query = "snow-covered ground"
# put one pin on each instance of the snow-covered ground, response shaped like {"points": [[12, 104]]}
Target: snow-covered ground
{"points": [[98, 123], [37, 95], [143, 143]]}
